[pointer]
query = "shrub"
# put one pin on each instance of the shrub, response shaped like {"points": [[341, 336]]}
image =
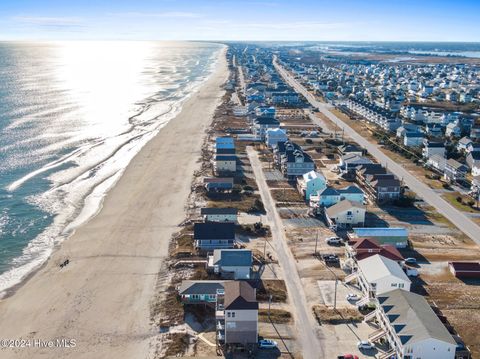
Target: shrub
{"points": [[459, 199]]}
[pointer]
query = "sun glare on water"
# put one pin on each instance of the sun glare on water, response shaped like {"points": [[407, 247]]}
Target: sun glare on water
{"points": [[105, 77]]}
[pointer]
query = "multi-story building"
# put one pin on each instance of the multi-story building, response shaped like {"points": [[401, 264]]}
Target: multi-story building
{"points": [[237, 314], [410, 327]]}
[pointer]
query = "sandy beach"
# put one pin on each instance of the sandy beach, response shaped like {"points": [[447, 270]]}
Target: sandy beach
{"points": [[102, 298]]}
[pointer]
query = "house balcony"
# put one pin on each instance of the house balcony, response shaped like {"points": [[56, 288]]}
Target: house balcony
{"points": [[220, 314]]}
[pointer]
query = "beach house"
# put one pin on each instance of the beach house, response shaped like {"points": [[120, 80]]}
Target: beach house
{"points": [[437, 162], [410, 327], [463, 144], [473, 161], [395, 236], [231, 263], [382, 188], [433, 148], [236, 315], [218, 184], [296, 163], [213, 235], [454, 170], [350, 161], [330, 196], [225, 164], [367, 247], [275, 135], [224, 142], [214, 214], [310, 183], [345, 214], [261, 124], [376, 275], [199, 291]]}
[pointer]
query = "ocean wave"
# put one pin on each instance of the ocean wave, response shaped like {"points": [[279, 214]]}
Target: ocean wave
{"points": [[77, 191]]}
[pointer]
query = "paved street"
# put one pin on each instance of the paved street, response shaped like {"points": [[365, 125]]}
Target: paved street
{"points": [[309, 333], [463, 222]]}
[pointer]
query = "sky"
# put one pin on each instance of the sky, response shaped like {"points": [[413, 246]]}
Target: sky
{"points": [[248, 20]]}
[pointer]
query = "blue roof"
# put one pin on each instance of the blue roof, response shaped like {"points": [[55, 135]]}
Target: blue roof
{"points": [[224, 140], [329, 191], [381, 232], [350, 189], [223, 145], [232, 257]]}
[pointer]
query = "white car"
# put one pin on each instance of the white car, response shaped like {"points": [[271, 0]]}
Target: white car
{"points": [[364, 345], [351, 297], [333, 240], [267, 344]]}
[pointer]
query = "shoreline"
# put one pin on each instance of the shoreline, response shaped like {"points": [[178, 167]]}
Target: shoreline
{"points": [[73, 221], [102, 297]]}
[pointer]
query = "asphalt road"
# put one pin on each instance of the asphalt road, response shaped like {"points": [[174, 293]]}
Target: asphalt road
{"points": [[459, 219], [309, 333]]}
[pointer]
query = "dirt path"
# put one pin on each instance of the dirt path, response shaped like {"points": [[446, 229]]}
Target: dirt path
{"points": [[309, 333]]}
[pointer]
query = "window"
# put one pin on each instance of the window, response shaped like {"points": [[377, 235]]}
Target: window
{"points": [[401, 285], [229, 314], [233, 314], [394, 284]]}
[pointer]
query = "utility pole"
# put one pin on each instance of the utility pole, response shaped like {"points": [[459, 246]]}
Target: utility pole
{"points": [[269, 303], [316, 243], [335, 297], [265, 250]]}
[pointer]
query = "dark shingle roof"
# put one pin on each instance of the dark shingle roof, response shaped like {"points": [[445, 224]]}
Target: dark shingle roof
{"points": [[213, 210], [200, 287], [213, 230], [225, 158], [240, 295]]}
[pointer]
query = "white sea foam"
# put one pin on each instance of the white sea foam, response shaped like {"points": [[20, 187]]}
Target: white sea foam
{"points": [[77, 191]]}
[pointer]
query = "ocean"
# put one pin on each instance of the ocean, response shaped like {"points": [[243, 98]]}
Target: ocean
{"points": [[72, 116]]}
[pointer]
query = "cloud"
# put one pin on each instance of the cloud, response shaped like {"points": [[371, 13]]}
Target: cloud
{"points": [[167, 14], [50, 22], [300, 25]]}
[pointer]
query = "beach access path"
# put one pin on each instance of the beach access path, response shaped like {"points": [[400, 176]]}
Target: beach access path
{"points": [[309, 333], [459, 219], [102, 298]]}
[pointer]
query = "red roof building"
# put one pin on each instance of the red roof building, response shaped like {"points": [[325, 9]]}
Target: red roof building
{"points": [[367, 247], [465, 269]]}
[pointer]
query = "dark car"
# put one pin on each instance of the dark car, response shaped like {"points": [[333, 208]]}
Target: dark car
{"points": [[330, 258]]}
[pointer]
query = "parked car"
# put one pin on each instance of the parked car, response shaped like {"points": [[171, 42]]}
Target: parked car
{"points": [[410, 260], [267, 344], [364, 345], [352, 297], [333, 240], [330, 258], [347, 356]]}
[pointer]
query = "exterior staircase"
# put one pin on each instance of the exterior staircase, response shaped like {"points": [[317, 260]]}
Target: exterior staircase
{"points": [[376, 335], [350, 277], [387, 355], [370, 316]]}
